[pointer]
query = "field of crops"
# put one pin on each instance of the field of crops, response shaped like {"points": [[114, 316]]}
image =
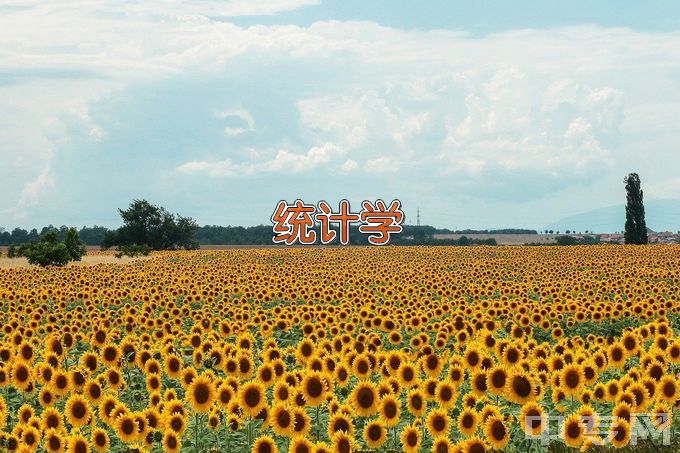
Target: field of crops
{"points": [[346, 349]]}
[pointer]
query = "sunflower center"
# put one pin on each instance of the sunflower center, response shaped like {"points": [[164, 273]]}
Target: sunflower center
{"points": [[283, 419], [412, 439], [100, 439], [341, 425], [573, 430], [80, 447], [314, 388], [202, 393], [252, 397], [498, 430], [365, 397], [390, 410], [438, 423], [572, 379], [374, 432], [78, 410], [128, 427], [521, 386], [498, 379]]}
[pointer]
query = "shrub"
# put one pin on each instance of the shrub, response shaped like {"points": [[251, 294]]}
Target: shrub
{"points": [[47, 251], [12, 251], [75, 248], [132, 250]]}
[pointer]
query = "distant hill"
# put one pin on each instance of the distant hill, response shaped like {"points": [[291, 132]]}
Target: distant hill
{"points": [[661, 215]]}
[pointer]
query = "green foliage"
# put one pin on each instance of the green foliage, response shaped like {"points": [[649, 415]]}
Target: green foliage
{"points": [[74, 246], [12, 251], [133, 250], [636, 228], [151, 225], [47, 252]]}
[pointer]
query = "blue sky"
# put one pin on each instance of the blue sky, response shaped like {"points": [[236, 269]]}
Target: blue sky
{"points": [[483, 114]]}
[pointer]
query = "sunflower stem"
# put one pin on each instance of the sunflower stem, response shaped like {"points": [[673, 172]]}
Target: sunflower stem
{"points": [[317, 423], [196, 423]]}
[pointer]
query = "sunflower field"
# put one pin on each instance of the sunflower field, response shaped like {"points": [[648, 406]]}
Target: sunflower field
{"points": [[405, 349]]}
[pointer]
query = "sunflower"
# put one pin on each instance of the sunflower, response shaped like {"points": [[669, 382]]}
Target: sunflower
{"points": [[438, 423], [342, 375], [442, 444], [474, 445], [225, 395], [410, 439], [361, 367], [61, 383], [282, 420], [264, 444], [300, 445], [532, 419], [301, 422], [201, 394], [496, 380], [407, 375], [432, 365], [416, 403], [46, 397], [616, 355], [251, 398], [472, 358], [572, 431], [265, 374], [667, 390], [364, 398], [467, 421], [126, 428], [173, 366], [340, 422], [176, 423], [77, 411], [520, 388], [114, 379], [624, 411], [374, 434], [53, 441], [662, 416], [106, 406], [172, 442], [589, 418], [619, 433], [30, 437], [51, 418], [77, 444], [315, 387], [342, 442], [110, 355], [100, 440], [572, 379], [21, 375]]}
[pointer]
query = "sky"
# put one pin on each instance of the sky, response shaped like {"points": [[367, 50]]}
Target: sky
{"points": [[481, 114]]}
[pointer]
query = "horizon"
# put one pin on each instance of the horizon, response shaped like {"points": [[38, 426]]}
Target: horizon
{"points": [[483, 116]]}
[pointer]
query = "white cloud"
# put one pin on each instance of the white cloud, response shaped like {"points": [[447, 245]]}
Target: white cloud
{"points": [[283, 161], [33, 190], [383, 164], [565, 104], [348, 166], [240, 114]]}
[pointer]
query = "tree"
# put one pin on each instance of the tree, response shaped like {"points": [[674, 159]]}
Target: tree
{"points": [[636, 228], [47, 251], [73, 244], [153, 226]]}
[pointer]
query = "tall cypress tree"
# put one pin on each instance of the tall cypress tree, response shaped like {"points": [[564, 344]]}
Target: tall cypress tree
{"points": [[636, 228]]}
